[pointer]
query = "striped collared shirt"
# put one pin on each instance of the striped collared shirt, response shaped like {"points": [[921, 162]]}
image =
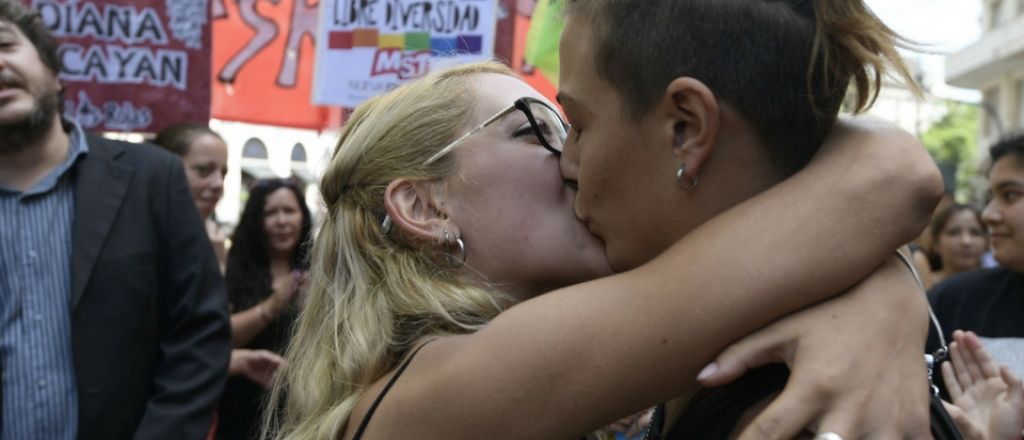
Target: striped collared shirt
{"points": [[39, 396]]}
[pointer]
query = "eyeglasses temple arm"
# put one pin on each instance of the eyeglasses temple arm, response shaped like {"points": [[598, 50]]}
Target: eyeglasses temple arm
{"points": [[452, 145]]}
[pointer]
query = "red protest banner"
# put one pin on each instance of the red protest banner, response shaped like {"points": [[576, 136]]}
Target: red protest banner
{"points": [[263, 63], [132, 65]]}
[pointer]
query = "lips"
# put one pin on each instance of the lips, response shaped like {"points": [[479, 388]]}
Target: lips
{"points": [[6, 90], [8, 85], [998, 237], [10, 80]]}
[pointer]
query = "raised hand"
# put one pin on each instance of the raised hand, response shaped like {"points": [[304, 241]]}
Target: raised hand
{"points": [[988, 399]]}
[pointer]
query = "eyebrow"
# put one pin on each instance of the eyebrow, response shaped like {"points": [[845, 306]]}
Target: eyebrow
{"points": [[563, 98], [1007, 184]]}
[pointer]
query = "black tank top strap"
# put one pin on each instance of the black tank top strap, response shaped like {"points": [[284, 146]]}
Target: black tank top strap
{"points": [[373, 408]]}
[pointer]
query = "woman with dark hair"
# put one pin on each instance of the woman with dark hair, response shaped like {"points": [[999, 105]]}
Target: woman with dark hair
{"points": [[958, 241], [205, 156], [266, 265]]}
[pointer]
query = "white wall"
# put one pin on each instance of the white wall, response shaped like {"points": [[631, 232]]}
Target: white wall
{"points": [[279, 142]]}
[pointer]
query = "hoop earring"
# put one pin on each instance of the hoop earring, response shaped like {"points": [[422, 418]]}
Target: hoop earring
{"points": [[455, 264], [679, 178]]}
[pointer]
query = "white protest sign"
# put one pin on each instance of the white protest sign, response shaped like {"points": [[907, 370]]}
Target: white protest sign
{"points": [[367, 47]]}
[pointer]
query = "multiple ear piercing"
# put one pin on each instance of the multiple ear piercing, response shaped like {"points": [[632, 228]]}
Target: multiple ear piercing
{"points": [[385, 228]]}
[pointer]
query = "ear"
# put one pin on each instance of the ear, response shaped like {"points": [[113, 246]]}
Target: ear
{"points": [[695, 115], [415, 209]]}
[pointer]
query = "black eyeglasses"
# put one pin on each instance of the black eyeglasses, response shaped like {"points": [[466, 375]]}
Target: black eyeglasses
{"points": [[545, 121]]}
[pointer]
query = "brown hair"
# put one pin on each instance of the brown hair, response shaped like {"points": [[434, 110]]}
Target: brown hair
{"points": [[178, 138], [785, 64]]}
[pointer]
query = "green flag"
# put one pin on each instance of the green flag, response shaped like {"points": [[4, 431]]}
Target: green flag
{"points": [[542, 38]]}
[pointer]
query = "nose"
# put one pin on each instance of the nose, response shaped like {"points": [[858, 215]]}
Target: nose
{"points": [[992, 214], [274, 219], [217, 182]]}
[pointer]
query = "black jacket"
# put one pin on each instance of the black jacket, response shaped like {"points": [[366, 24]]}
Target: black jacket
{"points": [[150, 327]]}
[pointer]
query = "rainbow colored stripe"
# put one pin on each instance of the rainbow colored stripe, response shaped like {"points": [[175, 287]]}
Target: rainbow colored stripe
{"points": [[409, 41]]}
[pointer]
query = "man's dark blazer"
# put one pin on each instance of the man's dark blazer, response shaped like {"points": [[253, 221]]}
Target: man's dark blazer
{"points": [[150, 326]]}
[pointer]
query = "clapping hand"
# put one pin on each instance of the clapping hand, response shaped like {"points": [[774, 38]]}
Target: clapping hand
{"points": [[988, 399]]}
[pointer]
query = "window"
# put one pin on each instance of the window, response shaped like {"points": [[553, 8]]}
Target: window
{"points": [[298, 153], [254, 149], [1020, 104], [995, 13], [990, 106]]}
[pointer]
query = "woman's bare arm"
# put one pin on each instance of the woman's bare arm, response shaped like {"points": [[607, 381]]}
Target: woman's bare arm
{"points": [[857, 363], [565, 363]]}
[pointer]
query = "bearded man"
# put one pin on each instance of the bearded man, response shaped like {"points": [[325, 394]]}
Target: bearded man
{"points": [[113, 316]]}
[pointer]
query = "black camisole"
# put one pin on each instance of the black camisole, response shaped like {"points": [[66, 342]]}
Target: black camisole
{"points": [[373, 408]]}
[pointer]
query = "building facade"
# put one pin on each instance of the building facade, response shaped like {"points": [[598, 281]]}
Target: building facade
{"points": [[994, 65], [260, 152]]}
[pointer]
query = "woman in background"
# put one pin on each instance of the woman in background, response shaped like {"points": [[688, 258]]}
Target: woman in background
{"points": [[205, 156], [266, 265], [958, 241]]}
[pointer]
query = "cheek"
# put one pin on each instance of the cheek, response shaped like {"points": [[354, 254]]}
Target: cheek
{"points": [[1013, 216], [295, 221], [197, 186]]}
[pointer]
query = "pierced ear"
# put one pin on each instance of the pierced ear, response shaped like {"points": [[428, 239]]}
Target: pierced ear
{"points": [[695, 115], [415, 209]]}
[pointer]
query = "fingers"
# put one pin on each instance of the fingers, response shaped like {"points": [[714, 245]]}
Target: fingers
{"points": [[967, 427], [963, 375], [269, 358], [987, 364], [785, 418], [753, 351], [971, 362], [1015, 393], [952, 384]]}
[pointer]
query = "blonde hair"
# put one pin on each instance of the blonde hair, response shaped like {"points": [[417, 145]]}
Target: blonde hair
{"points": [[371, 296]]}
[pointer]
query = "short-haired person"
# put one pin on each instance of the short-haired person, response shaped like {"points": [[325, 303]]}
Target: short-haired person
{"points": [[731, 107], [959, 240], [446, 206], [113, 317], [990, 302]]}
